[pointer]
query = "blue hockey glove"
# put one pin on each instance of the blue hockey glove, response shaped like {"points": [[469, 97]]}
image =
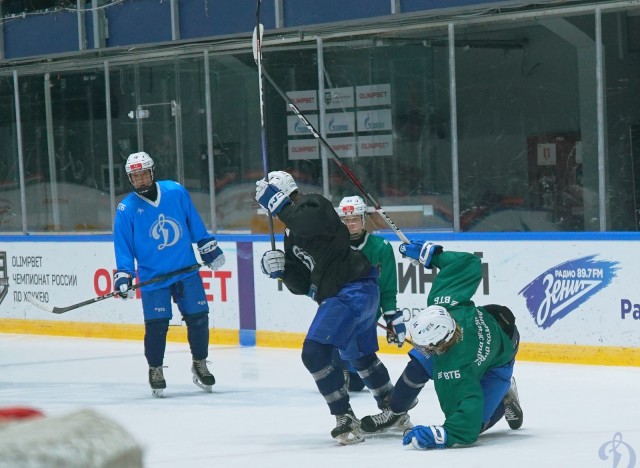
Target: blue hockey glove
{"points": [[210, 253], [396, 329], [270, 197], [122, 282], [426, 437], [421, 251], [272, 264]]}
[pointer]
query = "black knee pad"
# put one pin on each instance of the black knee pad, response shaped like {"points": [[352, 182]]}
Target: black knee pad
{"points": [[197, 320], [157, 327], [315, 356]]}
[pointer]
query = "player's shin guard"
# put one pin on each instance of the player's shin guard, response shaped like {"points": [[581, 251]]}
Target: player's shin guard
{"points": [[155, 341], [198, 334], [408, 386], [375, 377], [329, 379]]}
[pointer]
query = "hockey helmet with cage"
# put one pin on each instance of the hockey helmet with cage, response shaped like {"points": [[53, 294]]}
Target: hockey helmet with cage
{"points": [[283, 181], [139, 162], [432, 328]]}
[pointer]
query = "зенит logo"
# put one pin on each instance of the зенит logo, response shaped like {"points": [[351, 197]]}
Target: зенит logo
{"points": [[561, 289]]}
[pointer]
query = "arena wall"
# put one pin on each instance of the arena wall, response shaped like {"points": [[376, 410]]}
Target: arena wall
{"points": [[574, 296]]}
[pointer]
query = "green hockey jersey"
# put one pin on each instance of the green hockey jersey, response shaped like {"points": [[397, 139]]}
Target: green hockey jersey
{"points": [[380, 253], [484, 345]]}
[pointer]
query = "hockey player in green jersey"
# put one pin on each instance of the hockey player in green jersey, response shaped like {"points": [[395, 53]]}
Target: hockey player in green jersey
{"points": [[353, 213], [468, 351]]}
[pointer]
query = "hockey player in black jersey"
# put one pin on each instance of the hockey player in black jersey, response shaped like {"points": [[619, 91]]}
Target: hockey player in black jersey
{"points": [[318, 261]]}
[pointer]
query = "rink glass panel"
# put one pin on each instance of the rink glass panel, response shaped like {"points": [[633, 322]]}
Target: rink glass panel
{"points": [[621, 47], [527, 125], [64, 145], [402, 152], [237, 149], [11, 215], [526, 114]]}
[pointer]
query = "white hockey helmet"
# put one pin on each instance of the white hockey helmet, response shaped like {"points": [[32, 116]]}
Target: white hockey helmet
{"points": [[432, 328], [139, 162], [352, 206], [283, 181]]}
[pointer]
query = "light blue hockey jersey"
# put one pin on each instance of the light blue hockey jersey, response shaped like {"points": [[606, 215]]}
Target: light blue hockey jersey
{"points": [[158, 235]]}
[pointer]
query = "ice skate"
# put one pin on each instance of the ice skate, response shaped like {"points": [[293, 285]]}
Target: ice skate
{"points": [[347, 430], [512, 410], [157, 382], [201, 375], [382, 422]]}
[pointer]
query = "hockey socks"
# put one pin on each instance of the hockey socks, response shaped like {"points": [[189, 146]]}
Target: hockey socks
{"points": [[155, 341], [198, 334], [329, 378]]}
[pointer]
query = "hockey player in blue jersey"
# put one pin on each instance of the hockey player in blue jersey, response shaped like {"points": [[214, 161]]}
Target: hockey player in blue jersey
{"points": [[155, 227], [318, 261]]}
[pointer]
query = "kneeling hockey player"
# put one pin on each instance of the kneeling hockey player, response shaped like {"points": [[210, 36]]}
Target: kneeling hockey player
{"points": [[468, 352]]}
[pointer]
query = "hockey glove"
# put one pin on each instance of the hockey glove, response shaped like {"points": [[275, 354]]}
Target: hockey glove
{"points": [[426, 437], [270, 198], [421, 251], [122, 282], [210, 253], [396, 329], [272, 264]]}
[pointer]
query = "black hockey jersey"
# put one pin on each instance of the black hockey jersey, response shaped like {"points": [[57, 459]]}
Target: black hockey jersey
{"points": [[318, 253]]}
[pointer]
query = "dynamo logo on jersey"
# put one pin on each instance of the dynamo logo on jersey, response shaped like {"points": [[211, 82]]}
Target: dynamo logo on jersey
{"points": [[167, 230], [304, 257], [561, 289]]}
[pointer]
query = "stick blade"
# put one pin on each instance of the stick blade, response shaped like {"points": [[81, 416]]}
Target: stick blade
{"points": [[254, 41], [41, 305]]}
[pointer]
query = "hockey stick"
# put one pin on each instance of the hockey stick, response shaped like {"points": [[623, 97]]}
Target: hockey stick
{"points": [[347, 171], [62, 310], [257, 56], [388, 330]]}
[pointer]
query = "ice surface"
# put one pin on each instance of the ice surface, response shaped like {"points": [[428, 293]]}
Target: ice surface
{"points": [[265, 410]]}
